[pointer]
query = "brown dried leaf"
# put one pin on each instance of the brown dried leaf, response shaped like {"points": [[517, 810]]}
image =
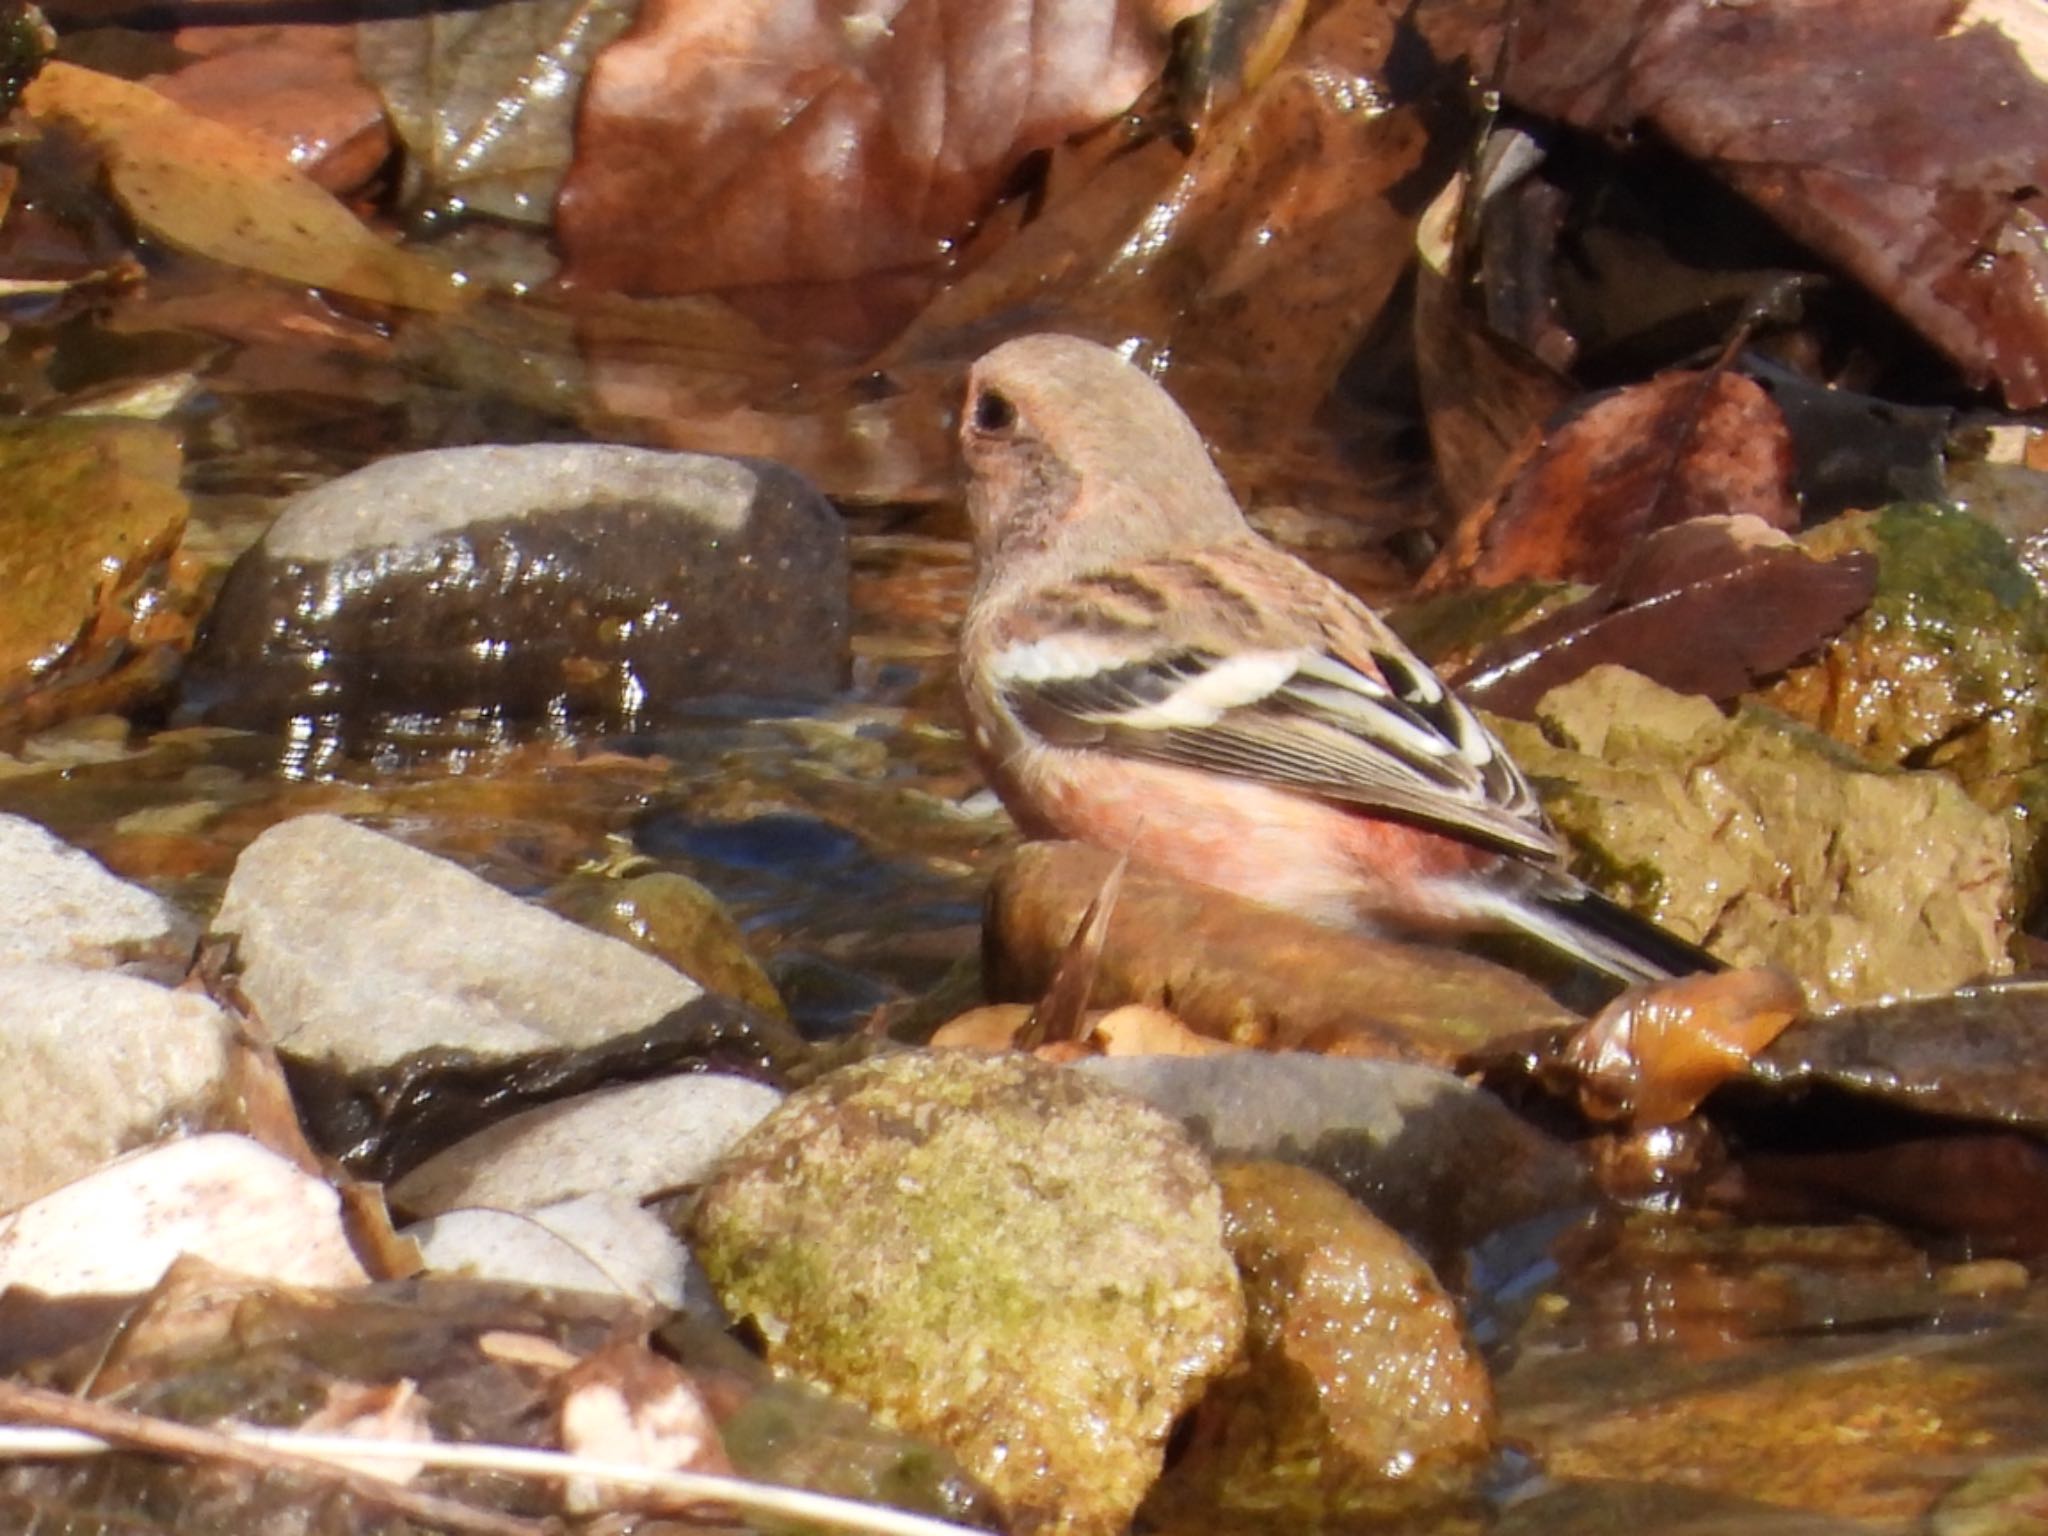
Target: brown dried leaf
{"points": [[1655, 1052], [223, 193], [730, 144], [1139, 1029], [1711, 606], [1681, 445], [1913, 155]]}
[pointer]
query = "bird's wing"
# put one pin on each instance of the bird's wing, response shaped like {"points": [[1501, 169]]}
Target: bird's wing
{"points": [[1299, 686]]}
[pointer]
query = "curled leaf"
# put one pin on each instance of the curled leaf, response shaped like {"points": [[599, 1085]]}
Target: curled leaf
{"points": [[1651, 1055]]}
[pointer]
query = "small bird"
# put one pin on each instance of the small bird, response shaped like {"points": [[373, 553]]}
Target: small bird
{"points": [[1145, 673]]}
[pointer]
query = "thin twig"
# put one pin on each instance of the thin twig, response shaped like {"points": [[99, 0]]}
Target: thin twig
{"points": [[261, 1453], [306, 1452]]}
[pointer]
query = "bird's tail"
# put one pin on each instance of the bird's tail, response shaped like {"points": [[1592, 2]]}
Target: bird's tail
{"points": [[1578, 921]]}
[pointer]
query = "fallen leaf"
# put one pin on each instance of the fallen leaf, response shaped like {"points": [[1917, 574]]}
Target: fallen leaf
{"points": [[1138, 1029], [1712, 606], [726, 144], [222, 193], [1681, 445], [1909, 150], [1655, 1052]]}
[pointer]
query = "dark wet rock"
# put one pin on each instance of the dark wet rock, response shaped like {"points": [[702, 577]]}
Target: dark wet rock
{"points": [[1359, 1395], [1021, 1263], [551, 586], [676, 919], [1248, 973], [93, 1063], [1770, 844], [361, 952], [97, 614], [59, 904], [1947, 669], [1978, 1054], [601, 1242], [1438, 1159], [640, 1140]]}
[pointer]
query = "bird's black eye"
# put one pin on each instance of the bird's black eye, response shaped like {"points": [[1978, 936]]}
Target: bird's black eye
{"points": [[994, 412]]}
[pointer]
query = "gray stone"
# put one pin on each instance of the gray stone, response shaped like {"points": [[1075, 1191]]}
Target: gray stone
{"points": [[549, 586], [93, 1064], [642, 1140], [602, 1242], [59, 904], [361, 952], [1431, 1155]]}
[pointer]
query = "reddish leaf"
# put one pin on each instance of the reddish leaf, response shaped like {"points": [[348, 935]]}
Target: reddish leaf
{"points": [[727, 144], [1679, 446], [1913, 155], [1700, 608]]}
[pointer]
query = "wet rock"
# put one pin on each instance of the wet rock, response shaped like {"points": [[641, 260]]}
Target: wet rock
{"points": [[92, 1064], [675, 919], [1359, 1395], [600, 1242], [224, 1199], [97, 614], [1947, 669], [59, 904], [360, 952], [1438, 1159], [1248, 973], [1769, 844], [1977, 1054], [642, 1140], [550, 586], [1019, 1262]]}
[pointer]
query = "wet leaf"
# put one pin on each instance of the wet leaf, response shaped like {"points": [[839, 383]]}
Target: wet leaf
{"points": [[1711, 606], [1910, 151], [1653, 1053], [1683, 445], [220, 193], [725, 145], [485, 99]]}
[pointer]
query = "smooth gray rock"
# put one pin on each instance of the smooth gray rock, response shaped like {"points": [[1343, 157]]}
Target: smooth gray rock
{"points": [[92, 1064], [361, 952], [59, 904], [549, 586], [1443, 1162], [600, 1242], [641, 1140]]}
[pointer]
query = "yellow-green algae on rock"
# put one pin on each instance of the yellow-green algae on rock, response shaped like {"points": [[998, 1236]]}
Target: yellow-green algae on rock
{"points": [[1768, 842], [1013, 1260]]}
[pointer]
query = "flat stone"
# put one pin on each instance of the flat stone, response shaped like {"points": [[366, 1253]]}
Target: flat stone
{"points": [[604, 1243], [59, 904], [548, 586], [92, 1064], [361, 952], [641, 1140]]}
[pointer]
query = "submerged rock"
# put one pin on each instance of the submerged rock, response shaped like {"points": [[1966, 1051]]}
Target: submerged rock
{"points": [[1247, 973], [1769, 844], [93, 1064], [479, 591], [360, 952], [96, 611], [1359, 1395], [676, 919], [1017, 1262]]}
